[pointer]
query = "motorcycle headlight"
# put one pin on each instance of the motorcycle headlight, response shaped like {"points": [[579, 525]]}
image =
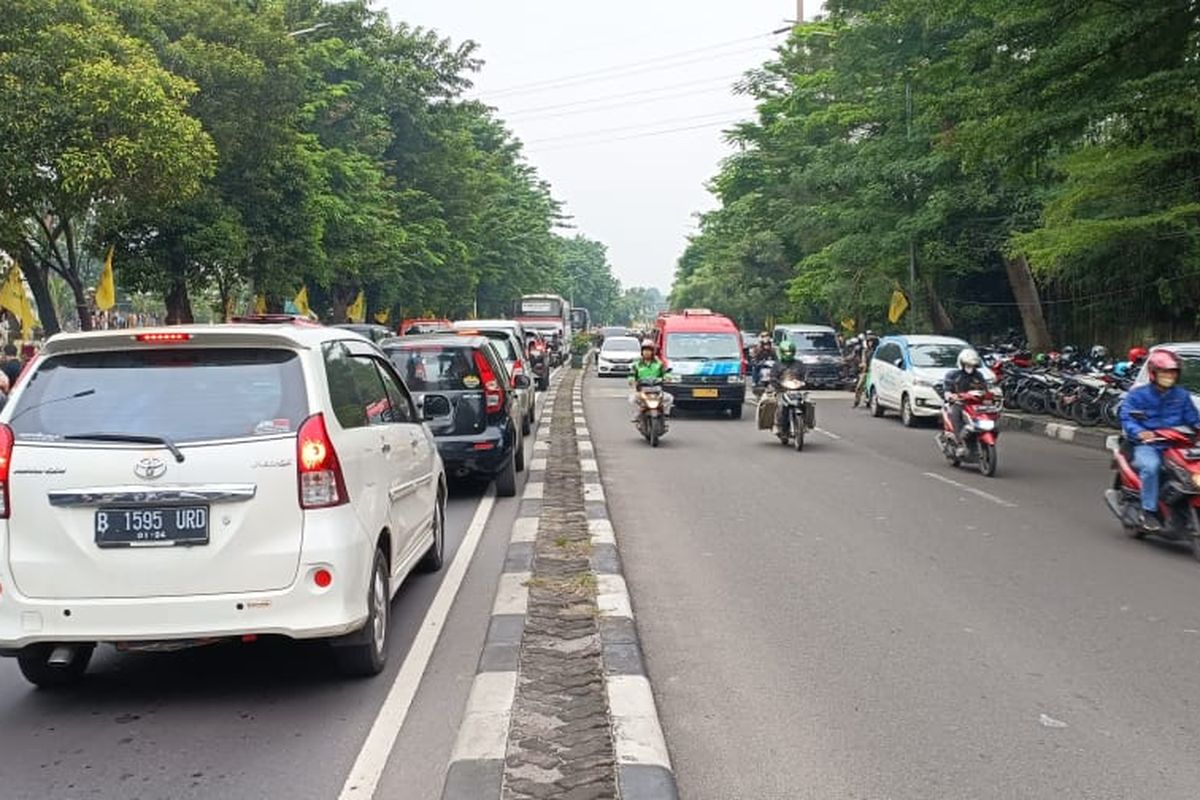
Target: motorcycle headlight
{"points": [[736, 379], [985, 424], [672, 378]]}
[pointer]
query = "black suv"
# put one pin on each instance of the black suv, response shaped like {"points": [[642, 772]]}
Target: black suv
{"points": [[465, 395]]}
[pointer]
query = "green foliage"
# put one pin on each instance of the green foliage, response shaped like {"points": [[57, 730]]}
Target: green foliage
{"points": [[952, 136], [229, 149]]}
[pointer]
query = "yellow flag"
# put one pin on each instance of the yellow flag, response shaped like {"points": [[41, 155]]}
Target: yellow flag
{"points": [[848, 323], [301, 301], [357, 311], [14, 300], [106, 290], [382, 317], [260, 304], [898, 306]]}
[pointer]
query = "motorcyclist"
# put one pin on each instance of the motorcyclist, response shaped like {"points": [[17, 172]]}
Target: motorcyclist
{"points": [[786, 368], [967, 378], [764, 350], [1161, 403], [649, 367]]}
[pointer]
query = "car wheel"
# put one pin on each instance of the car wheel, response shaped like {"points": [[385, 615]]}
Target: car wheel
{"points": [[735, 411], [527, 422], [873, 404], [368, 655], [521, 455], [907, 417], [35, 665], [506, 480], [436, 555]]}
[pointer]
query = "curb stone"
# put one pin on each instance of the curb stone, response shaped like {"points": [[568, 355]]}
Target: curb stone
{"points": [[644, 770], [1091, 438]]}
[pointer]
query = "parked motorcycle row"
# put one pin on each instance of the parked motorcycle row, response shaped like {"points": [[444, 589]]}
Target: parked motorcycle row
{"points": [[1084, 391]]}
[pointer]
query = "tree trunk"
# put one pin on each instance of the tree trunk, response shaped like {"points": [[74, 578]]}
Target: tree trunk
{"points": [[39, 284], [941, 321], [179, 305], [82, 306], [1029, 303]]}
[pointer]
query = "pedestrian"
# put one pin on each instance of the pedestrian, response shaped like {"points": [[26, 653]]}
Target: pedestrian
{"points": [[10, 363]]}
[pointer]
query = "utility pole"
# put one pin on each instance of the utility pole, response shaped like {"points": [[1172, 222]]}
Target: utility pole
{"points": [[800, 11]]}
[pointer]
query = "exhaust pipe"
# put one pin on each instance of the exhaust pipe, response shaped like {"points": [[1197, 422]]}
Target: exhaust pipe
{"points": [[61, 656]]}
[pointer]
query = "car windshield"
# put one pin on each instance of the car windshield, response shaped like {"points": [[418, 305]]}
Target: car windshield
{"points": [[815, 342], [182, 394], [703, 346], [435, 368], [622, 345], [935, 355]]}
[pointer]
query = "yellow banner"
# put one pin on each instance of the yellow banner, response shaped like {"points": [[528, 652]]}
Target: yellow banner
{"points": [[301, 301], [106, 290], [357, 311], [898, 306]]}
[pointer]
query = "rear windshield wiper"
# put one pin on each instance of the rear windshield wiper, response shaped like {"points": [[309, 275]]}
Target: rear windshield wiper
{"points": [[137, 438]]}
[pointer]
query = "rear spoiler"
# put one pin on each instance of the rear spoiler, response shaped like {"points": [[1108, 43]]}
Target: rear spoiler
{"points": [[150, 339]]}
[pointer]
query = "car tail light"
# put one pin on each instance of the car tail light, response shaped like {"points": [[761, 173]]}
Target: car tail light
{"points": [[493, 392], [318, 471], [6, 448], [518, 368], [163, 338]]}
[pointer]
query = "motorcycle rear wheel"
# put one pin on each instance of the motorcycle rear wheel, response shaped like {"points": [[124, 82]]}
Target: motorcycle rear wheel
{"points": [[798, 430]]}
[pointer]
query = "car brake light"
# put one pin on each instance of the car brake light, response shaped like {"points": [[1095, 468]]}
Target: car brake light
{"points": [[162, 338], [518, 370], [6, 448], [493, 392], [318, 470]]}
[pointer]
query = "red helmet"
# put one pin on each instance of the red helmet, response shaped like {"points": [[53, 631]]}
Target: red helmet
{"points": [[1138, 353], [1162, 360]]}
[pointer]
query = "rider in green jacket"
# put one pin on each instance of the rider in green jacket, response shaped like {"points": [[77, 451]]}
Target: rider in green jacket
{"points": [[648, 368]]}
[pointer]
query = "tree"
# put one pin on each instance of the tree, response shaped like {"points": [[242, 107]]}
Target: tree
{"points": [[91, 122]]}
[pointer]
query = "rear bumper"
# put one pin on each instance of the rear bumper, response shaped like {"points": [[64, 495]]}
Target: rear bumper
{"points": [[300, 611], [486, 453]]}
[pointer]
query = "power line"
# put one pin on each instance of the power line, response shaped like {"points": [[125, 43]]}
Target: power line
{"points": [[631, 68], [614, 106], [646, 135], [715, 81], [604, 131]]}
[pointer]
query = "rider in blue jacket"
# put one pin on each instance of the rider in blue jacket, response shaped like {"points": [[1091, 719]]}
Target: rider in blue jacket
{"points": [[1158, 404]]}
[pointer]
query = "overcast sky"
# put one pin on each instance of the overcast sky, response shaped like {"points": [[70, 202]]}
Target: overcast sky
{"points": [[620, 103]]}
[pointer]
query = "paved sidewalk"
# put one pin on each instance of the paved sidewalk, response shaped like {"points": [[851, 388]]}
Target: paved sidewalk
{"points": [[561, 708]]}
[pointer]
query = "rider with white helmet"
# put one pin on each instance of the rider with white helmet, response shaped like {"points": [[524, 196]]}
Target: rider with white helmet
{"points": [[967, 378]]}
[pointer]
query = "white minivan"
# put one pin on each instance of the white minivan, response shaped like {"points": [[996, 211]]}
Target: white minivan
{"points": [[163, 488], [906, 372]]}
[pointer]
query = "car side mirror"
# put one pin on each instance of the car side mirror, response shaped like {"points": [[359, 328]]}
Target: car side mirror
{"points": [[522, 382], [899, 362]]}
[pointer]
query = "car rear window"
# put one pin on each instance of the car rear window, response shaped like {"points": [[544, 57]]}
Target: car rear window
{"points": [[436, 368], [183, 394]]}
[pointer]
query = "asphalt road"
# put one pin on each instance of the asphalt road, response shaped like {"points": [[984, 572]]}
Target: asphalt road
{"points": [[862, 620], [264, 720]]}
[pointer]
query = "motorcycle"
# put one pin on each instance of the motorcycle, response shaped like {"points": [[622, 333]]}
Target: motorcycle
{"points": [[762, 376], [652, 420], [981, 427], [1178, 494], [799, 414]]}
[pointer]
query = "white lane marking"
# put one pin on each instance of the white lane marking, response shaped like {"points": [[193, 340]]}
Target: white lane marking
{"points": [[585, 447], [601, 531], [612, 597], [535, 491], [483, 733], [541, 445], [830, 434], [581, 432], [588, 465], [1000, 501], [373, 757], [593, 493], [579, 420], [524, 529], [512, 595], [537, 464], [637, 734]]}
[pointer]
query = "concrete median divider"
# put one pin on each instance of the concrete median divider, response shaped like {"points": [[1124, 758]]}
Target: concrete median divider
{"points": [[1091, 438], [561, 706]]}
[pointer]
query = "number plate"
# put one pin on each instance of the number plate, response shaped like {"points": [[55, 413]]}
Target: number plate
{"points": [[164, 526], [705, 393]]}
